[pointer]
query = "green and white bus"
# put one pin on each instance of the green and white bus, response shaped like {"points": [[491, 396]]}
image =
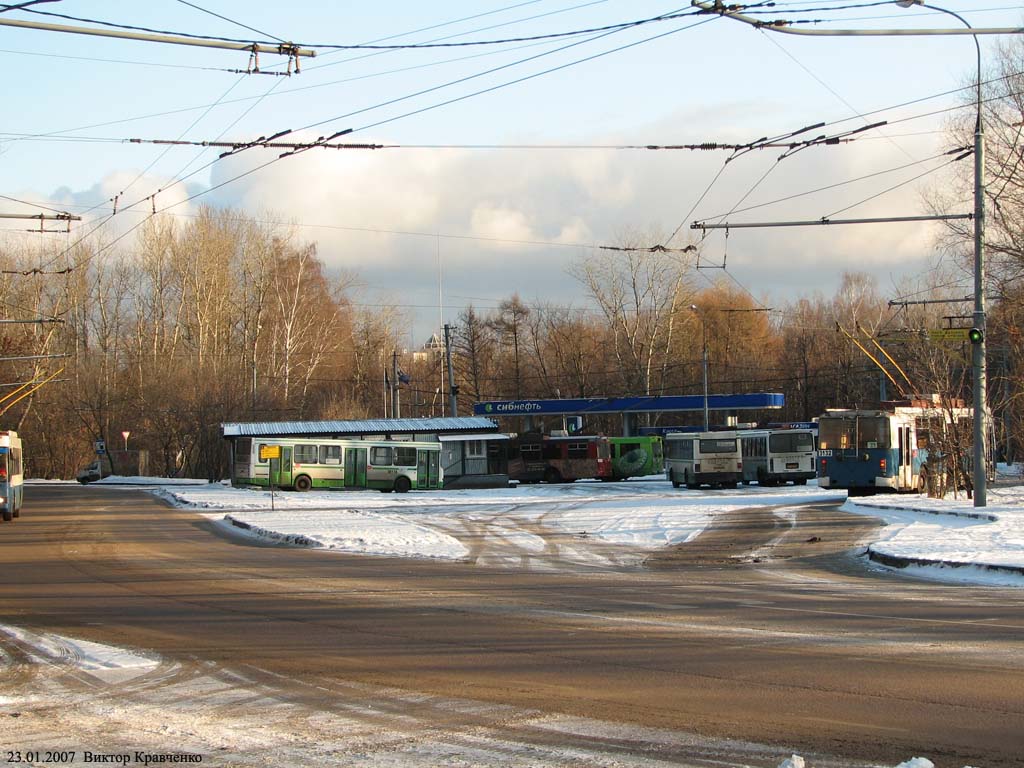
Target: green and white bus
{"points": [[301, 464]]}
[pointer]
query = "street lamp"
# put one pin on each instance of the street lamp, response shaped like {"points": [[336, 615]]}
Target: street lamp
{"points": [[979, 365], [704, 345], [980, 479]]}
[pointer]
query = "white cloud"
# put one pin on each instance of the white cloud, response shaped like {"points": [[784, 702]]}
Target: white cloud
{"points": [[393, 215]]}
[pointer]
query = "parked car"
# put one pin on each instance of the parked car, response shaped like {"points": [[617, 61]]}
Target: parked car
{"points": [[97, 470]]}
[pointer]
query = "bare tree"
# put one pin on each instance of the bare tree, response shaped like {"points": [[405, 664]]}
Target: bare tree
{"points": [[642, 293]]}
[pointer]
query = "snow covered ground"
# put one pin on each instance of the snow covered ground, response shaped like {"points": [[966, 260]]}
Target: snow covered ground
{"points": [[939, 538], [639, 515], [65, 695]]}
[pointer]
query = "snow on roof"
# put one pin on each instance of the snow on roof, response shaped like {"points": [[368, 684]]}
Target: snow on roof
{"points": [[360, 427], [478, 436]]}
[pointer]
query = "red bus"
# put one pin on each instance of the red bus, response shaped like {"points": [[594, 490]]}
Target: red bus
{"points": [[533, 457]]}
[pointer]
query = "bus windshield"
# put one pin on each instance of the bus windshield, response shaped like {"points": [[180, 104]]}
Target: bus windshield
{"points": [[791, 442], [718, 445], [859, 432], [872, 432], [837, 433]]}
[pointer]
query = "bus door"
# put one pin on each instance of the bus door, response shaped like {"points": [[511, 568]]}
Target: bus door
{"points": [[281, 469], [428, 465], [906, 469], [355, 467]]}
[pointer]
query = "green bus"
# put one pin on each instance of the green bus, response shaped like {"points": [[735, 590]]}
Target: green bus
{"points": [[636, 456], [301, 464]]}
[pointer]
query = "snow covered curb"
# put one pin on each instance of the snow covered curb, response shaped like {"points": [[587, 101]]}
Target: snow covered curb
{"points": [[297, 539], [921, 511], [903, 562], [950, 539]]}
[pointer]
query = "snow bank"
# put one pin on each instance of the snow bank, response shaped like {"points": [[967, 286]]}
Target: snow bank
{"points": [[950, 538]]}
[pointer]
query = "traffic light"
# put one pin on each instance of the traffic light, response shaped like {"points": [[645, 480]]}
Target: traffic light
{"points": [[976, 335]]}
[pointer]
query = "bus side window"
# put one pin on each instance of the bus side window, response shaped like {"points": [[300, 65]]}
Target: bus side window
{"points": [[530, 451], [305, 454], [330, 454], [380, 456], [577, 450], [405, 456]]}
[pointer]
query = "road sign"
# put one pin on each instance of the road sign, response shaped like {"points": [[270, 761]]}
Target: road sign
{"points": [[101, 447], [270, 452], [949, 334]]}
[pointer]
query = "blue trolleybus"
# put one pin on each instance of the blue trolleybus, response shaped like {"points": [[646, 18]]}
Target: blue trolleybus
{"points": [[890, 451], [12, 477]]}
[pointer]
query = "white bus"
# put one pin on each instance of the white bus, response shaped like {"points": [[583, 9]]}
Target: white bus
{"points": [[12, 477], [694, 459], [302, 464], [774, 456]]}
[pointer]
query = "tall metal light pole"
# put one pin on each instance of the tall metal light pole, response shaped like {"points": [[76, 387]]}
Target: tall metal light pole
{"points": [[978, 342], [979, 477], [704, 347]]}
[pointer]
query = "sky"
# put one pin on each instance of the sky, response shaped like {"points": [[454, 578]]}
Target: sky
{"points": [[490, 193]]}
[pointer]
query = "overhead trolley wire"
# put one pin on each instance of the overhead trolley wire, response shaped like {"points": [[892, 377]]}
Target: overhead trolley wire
{"points": [[828, 187], [293, 90], [22, 6], [901, 184], [392, 119], [152, 197], [880, 110], [232, 21], [678, 14]]}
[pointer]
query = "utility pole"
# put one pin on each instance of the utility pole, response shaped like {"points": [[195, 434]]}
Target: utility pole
{"points": [[704, 360], [453, 390], [978, 332], [396, 408]]}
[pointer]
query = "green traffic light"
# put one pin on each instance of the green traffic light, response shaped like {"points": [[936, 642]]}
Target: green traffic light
{"points": [[975, 335]]}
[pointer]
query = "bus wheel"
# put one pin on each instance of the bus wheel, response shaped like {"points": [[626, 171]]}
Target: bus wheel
{"points": [[672, 477], [552, 475], [8, 515], [922, 482], [402, 484], [303, 483], [800, 481]]}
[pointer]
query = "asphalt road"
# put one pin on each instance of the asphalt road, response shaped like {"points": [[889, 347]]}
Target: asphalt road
{"points": [[764, 630]]}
